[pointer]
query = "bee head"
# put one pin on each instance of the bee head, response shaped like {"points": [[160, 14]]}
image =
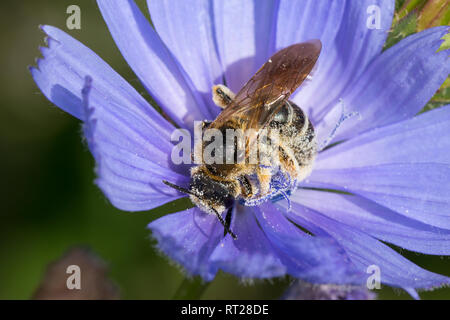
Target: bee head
{"points": [[208, 193], [211, 196]]}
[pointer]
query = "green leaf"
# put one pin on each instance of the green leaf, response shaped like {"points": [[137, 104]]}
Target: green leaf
{"points": [[399, 4], [440, 99], [402, 29], [446, 44]]}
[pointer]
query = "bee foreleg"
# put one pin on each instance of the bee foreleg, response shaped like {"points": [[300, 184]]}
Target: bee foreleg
{"points": [[248, 189], [228, 217], [222, 96]]}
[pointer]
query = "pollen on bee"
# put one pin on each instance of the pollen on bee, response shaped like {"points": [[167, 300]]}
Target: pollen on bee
{"points": [[222, 96]]}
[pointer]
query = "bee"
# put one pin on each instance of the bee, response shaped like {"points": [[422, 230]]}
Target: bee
{"points": [[261, 105]]}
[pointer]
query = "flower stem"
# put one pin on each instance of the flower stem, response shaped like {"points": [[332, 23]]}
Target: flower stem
{"points": [[191, 289]]}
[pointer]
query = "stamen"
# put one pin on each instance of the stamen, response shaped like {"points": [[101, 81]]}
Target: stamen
{"points": [[344, 116], [284, 194]]}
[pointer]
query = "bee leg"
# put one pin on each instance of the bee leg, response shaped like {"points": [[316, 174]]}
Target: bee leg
{"points": [[228, 217], [247, 189], [264, 177], [226, 225], [197, 153], [222, 96], [289, 163]]}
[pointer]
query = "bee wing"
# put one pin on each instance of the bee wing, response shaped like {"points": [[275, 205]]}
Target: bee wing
{"points": [[264, 94]]}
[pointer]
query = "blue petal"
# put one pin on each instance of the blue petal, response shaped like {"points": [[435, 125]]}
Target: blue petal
{"points": [[317, 259], [421, 139], [299, 21], [131, 158], [251, 255], [413, 293], [244, 30], [189, 237], [377, 221], [396, 86], [418, 190], [303, 20], [364, 251], [354, 48], [61, 76], [152, 62], [405, 167], [186, 27]]}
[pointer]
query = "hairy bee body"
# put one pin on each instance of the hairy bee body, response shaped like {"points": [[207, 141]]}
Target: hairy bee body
{"points": [[251, 184], [298, 143], [277, 129]]}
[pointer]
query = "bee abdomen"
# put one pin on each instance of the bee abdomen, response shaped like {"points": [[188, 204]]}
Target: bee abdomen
{"points": [[299, 140]]}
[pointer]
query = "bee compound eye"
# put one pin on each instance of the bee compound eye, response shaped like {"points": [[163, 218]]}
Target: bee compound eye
{"points": [[282, 116]]}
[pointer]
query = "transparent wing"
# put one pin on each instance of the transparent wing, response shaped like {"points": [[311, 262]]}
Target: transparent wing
{"points": [[264, 94]]}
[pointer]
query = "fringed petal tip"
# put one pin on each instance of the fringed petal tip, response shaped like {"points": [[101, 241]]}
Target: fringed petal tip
{"points": [[195, 240], [188, 238], [131, 181], [252, 254], [270, 249], [367, 252], [128, 138]]}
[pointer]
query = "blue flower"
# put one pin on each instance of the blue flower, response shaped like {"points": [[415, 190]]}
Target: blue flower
{"points": [[394, 166]]}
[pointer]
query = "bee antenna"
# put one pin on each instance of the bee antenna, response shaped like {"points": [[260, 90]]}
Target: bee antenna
{"points": [[184, 190], [178, 188]]}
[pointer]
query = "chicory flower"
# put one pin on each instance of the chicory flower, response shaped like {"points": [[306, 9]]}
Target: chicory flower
{"points": [[392, 166]]}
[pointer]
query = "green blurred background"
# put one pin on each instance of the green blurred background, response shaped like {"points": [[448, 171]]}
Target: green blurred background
{"points": [[48, 200]]}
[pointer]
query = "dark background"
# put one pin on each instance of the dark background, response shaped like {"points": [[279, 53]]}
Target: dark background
{"points": [[49, 202]]}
